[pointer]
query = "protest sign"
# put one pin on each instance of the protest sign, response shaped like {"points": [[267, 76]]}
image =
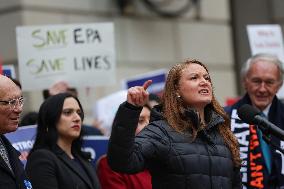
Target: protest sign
{"points": [[24, 138], [81, 54], [96, 146], [158, 78], [105, 109], [267, 39], [9, 71]]}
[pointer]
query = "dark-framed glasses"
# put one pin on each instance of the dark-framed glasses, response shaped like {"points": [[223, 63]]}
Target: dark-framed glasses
{"points": [[13, 103]]}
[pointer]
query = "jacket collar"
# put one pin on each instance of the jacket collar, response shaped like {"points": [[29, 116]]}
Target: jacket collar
{"points": [[156, 113], [273, 114], [213, 118], [13, 158], [69, 162]]}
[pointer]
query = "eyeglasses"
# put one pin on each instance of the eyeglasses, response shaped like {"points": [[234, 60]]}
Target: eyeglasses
{"points": [[13, 103], [269, 82]]}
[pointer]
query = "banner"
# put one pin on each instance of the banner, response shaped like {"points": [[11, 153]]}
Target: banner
{"points": [[81, 54], [96, 145], [23, 140]]}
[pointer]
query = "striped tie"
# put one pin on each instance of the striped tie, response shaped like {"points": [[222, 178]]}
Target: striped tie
{"points": [[265, 149], [4, 154]]}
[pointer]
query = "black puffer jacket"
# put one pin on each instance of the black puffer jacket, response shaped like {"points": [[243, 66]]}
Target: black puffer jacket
{"points": [[173, 160]]}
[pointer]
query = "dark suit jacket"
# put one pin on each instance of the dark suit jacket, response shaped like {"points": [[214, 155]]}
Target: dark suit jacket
{"points": [[9, 180], [275, 116], [55, 170]]}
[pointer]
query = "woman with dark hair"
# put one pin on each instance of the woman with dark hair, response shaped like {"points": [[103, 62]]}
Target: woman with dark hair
{"points": [[188, 143], [56, 160]]}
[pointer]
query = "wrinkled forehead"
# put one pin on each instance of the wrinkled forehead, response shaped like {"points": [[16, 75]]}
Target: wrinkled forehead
{"points": [[263, 68], [9, 90], [194, 68]]}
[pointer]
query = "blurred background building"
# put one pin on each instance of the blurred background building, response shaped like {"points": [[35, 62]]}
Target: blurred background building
{"points": [[150, 35]]}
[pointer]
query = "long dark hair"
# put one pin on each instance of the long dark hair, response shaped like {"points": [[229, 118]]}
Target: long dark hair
{"points": [[48, 117], [173, 109]]}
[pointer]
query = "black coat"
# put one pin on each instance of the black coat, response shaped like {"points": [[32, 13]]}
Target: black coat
{"points": [[8, 180], [276, 116], [55, 170], [172, 159]]}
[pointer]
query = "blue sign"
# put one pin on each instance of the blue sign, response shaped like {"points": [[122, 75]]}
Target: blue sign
{"points": [[9, 71], [158, 81], [96, 145], [23, 140]]}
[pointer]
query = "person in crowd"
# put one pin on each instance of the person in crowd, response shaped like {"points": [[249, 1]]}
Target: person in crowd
{"points": [[153, 100], [188, 142], [12, 174], [114, 180], [29, 118], [61, 87], [263, 164], [56, 159]]}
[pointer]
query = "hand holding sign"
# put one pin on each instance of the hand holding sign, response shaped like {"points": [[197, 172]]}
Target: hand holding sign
{"points": [[138, 96]]}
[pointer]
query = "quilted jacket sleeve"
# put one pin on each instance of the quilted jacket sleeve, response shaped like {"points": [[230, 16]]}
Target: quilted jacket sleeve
{"points": [[130, 154]]}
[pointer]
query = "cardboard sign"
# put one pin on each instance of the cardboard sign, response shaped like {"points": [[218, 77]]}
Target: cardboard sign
{"points": [[267, 39], [105, 109], [82, 55]]}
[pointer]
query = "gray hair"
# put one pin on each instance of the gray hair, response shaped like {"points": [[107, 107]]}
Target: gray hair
{"points": [[262, 57]]}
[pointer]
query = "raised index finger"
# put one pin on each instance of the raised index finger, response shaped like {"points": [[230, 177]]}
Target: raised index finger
{"points": [[147, 84]]}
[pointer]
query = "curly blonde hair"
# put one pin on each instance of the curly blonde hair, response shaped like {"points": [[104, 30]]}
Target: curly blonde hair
{"points": [[173, 110]]}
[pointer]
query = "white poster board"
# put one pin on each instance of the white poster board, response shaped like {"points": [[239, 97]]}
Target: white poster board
{"points": [[81, 54], [105, 109], [267, 39]]}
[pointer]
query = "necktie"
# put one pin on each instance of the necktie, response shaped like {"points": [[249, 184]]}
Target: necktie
{"points": [[4, 154], [265, 149]]}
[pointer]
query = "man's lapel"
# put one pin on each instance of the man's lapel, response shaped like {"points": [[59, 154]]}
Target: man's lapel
{"points": [[5, 167]]}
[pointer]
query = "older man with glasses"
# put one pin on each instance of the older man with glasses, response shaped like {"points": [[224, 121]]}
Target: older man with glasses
{"points": [[12, 173], [263, 164]]}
